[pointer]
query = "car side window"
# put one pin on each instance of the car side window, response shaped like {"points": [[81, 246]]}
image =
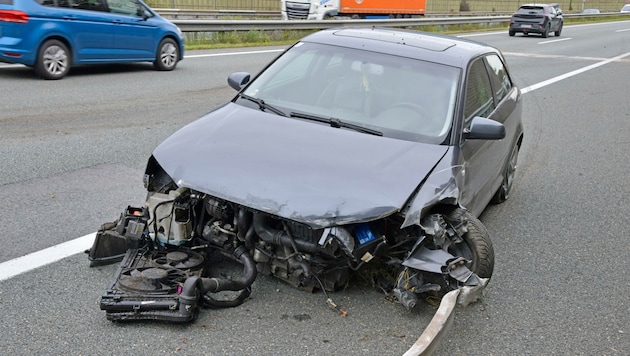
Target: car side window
{"points": [[498, 77], [125, 7], [92, 5], [479, 101]]}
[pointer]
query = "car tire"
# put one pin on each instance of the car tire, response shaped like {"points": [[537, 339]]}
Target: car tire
{"points": [[545, 32], [167, 55], [476, 248], [511, 33], [508, 178], [559, 31], [53, 60]]}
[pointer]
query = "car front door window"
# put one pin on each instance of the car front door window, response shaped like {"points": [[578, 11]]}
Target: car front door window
{"points": [[479, 101]]}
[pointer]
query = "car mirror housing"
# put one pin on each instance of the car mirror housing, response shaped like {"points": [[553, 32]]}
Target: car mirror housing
{"points": [[483, 128], [238, 80]]}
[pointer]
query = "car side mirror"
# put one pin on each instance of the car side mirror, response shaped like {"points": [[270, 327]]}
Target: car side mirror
{"points": [[482, 128], [238, 80]]}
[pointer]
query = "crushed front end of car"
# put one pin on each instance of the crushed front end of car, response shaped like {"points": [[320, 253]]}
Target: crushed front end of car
{"points": [[281, 217]]}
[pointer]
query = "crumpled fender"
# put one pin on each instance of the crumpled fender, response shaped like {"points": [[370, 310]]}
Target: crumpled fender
{"points": [[442, 186]]}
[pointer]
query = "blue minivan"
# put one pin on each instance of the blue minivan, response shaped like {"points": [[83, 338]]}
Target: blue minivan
{"points": [[52, 35]]}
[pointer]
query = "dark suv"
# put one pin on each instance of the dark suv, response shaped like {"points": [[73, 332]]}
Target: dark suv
{"points": [[537, 18]]}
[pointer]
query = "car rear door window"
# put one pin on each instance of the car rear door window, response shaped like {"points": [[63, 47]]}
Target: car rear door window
{"points": [[92, 5]]}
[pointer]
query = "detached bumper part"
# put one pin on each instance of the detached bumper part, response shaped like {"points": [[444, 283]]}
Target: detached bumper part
{"points": [[441, 323], [433, 334]]}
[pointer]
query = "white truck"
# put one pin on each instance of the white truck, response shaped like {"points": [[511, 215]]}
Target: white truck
{"points": [[354, 9]]}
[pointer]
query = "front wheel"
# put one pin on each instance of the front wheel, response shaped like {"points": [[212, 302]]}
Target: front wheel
{"points": [[559, 31], [53, 60], [476, 248], [167, 55]]}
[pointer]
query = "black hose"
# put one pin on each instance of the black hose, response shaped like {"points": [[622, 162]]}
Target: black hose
{"points": [[280, 237], [215, 285], [298, 265], [210, 302], [243, 222]]}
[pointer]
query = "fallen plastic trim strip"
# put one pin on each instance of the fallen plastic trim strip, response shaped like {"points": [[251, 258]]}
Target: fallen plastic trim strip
{"points": [[433, 334]]}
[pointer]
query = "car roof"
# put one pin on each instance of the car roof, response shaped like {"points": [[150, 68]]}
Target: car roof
{"points": [[447, 50]]}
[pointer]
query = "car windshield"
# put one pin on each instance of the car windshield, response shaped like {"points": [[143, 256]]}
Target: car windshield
{"points": [[401, 97]]}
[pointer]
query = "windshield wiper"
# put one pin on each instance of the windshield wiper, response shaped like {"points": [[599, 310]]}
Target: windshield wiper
{"points": [[262, 105], [333, 122]]}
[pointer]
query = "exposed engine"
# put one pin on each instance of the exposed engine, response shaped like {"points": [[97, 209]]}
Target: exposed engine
{"points": [[165, 272]]}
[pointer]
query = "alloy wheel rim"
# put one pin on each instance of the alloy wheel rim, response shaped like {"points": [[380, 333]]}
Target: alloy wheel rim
{"points": [[55, 60], [511, 169], [168, 55]]}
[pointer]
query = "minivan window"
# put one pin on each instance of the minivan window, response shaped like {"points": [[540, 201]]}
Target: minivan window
{"points": [[127, 7], [92, 5]]}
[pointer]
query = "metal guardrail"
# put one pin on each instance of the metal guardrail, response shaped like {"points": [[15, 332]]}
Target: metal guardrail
{"points": [[177, 14], [246, 25], [268, 25]]}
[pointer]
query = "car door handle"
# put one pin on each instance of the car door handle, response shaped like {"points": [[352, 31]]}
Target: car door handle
{"points": [[69, 17]]}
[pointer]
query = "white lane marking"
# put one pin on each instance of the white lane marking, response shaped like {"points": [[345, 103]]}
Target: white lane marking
{"points": [[571, 74], [624, 30], [554, 41], [232, 53], [16, 266]]}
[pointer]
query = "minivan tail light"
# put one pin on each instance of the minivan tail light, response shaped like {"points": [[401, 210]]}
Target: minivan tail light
{"points": [[13, 16]]}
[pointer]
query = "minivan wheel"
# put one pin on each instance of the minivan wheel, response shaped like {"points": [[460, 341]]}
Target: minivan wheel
{"points": [[53, 60], [167, 55], [559, 31]]}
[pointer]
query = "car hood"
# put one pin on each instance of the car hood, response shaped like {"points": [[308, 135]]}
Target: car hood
{"points": [[303, 171]]}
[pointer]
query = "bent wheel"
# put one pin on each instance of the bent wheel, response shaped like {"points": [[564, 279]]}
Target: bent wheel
{"points": [[476, 248]]}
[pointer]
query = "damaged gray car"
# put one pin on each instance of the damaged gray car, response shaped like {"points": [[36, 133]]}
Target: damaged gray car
{"points": [[359, 150]]}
